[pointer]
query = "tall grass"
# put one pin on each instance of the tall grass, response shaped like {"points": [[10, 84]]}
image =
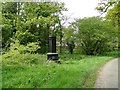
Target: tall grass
{"points": [[76, 71]]}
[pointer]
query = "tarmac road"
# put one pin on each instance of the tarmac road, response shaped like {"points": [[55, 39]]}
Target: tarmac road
{"points": [[108, 76]]}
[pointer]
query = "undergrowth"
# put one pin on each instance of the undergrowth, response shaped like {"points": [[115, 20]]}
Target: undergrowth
{"points": [[34, 71]]}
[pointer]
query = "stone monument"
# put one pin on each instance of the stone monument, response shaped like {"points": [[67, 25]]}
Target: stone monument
{"points": [[52, 55]]}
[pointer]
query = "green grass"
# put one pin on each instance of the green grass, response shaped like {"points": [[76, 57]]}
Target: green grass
{"points": [[76, 71]]}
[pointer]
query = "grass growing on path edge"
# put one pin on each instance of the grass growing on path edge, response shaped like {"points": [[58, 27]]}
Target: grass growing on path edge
{"points": [[74, 72], [90, 80]]}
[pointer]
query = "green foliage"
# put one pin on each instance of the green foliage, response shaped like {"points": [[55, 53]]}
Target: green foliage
{"points": [[104, 5], [10, 59], [30, 22], [39, 20], [9, 16], [17, 50], [74, 72], [25, 37], [115, 54], [32, 47], [69, 34], [94, 35], [112, 15]]}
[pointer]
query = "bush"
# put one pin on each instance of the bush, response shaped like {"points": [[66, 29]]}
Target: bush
{"points": [[21, 54], [23, 59], [95, 35], [15, 46]]}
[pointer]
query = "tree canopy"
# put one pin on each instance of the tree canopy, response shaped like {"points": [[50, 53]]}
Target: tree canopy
{"points": [[94, 35], [30, 22]]}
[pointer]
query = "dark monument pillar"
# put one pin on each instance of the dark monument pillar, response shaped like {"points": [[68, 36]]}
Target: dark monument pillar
{"points": [[52, 43], [52, 55]]}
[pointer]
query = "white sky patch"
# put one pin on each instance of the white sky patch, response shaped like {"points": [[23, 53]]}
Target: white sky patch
{"points": [[80, 8]]}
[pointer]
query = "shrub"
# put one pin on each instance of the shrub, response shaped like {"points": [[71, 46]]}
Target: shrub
{"points": [[21, 54], [23, 59], [94, 35]]}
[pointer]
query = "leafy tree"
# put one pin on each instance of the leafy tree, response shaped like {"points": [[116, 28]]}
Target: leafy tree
{"points": [[69, 34], [112, 17], [33, 22], [94, 35], [9, 12], [69, 38], [113, 14], [47, 19]]}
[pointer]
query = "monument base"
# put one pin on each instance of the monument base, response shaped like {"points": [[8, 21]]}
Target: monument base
{"points": [[52, 56]]}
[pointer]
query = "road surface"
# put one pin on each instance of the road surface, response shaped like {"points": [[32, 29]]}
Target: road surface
{"points": [[108, 76]]}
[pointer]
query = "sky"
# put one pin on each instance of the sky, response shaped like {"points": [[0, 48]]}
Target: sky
{"points": [[80, 8]]}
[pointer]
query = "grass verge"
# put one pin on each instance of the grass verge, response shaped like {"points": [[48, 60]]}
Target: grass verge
{"points": [[76, 71]]}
